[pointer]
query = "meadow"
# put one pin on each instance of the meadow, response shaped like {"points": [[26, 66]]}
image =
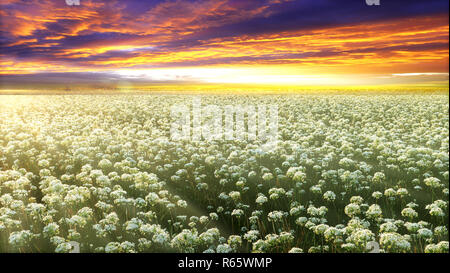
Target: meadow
{"points": [[349, 173]]}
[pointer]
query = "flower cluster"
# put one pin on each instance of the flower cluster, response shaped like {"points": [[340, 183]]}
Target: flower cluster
{"points": [[103, 172]]}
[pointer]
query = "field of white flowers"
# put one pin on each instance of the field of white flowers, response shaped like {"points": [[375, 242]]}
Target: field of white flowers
{"points": [[348, 171]]}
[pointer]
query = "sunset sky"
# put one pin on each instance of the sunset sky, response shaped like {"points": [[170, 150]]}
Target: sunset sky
{"points": [[285, 42]]}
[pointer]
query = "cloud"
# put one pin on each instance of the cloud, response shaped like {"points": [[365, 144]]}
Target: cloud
{"points": [[307, 36], [419, 74]]}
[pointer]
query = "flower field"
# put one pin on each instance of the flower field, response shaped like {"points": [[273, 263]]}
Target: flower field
{"points": [[350, 173]]}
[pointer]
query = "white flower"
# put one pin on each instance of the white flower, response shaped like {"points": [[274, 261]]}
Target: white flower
{"points": [[275, 216], [388, 227], [441, 231], [360, 237], [352, 210], [432, 182], [409, 213], [182, 203], [425, 233], [251, 235], [374, 212], [237, 213], [329, 196], [235, 195], [63, 248], [261, 199], [51, 230], [296, 250], [267, 177], [224, 248], [378, 177], [377, 195], [235, 241], [394, 242], [20, 238]]}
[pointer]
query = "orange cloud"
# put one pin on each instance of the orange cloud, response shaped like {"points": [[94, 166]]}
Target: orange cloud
{"points": [[99, 36]]}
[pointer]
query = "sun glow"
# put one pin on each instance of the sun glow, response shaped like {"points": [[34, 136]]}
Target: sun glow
{"points": [[239, 75]]}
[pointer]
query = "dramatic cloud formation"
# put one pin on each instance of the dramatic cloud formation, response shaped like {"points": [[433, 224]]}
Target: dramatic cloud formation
{"points": [[225, 41]]}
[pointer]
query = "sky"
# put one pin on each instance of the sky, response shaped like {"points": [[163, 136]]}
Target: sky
{"points": [[277, 42]]}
